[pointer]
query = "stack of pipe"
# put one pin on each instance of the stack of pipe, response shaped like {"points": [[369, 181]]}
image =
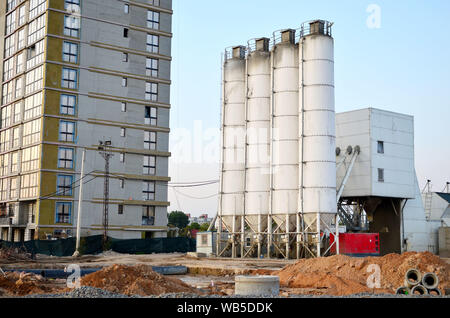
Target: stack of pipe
{"points": [[418, 284]]}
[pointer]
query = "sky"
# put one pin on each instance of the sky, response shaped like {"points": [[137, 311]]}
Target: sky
{"points": [[392, 55]]}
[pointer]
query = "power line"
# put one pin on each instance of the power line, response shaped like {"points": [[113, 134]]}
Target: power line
{"points": [[193, 185], [62, 191], [193, 182], [196, 198]]}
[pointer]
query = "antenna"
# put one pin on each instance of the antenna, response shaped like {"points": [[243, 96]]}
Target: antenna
{"points": [[104, 147]]}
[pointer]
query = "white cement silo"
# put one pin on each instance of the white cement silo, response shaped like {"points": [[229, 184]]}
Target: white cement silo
{"points": [[232, 197], [258, 137], [285, 155], [317, 138]]}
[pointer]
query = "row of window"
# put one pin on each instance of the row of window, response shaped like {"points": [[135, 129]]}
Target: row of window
{"points": [[9, 163], [9, 187], [36, 8], [15, 89], [10, 138], [15, 65], [152, 17], [64, 213], [17, 41]]}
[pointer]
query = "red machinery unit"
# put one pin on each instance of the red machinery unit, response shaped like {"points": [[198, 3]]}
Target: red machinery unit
{"points": [[357, 244]]}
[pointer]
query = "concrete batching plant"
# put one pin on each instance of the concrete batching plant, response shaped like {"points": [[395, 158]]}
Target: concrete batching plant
{"points": [[278, 176]]}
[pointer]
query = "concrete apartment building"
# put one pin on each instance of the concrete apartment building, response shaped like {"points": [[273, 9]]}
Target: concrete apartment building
{"points": [[75, 72]]}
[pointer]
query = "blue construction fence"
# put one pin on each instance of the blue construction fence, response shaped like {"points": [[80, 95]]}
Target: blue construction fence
{"points": [[94, 245]]}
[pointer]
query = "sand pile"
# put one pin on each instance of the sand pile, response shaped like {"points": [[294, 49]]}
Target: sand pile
{"points": [[342, 275], [135, 280], [21, 284]]}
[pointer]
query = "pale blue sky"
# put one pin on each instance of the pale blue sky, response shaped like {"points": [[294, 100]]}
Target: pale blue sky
{"points": [[403, 66]]}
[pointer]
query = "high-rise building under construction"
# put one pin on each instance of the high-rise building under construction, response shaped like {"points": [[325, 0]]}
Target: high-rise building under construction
{"points": [[74, 73]]}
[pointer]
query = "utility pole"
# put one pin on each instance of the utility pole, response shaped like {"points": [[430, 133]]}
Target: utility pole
{"points": [[104, 148], [80, 209]]}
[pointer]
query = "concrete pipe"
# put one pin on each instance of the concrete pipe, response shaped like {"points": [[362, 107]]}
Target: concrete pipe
{"points": [[419, 290], [412, 277], [403, 291], [435, 292], [430, 281], [257, 285]]}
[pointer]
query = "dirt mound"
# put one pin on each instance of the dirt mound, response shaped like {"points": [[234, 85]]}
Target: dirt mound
{"points": [[21, 284], [13, 254], [342, 275], [135, 280]]}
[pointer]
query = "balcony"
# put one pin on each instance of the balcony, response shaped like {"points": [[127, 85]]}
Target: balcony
{"points": [[5, 220]]}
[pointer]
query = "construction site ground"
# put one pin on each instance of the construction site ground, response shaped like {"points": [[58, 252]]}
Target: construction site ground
{"points": [[132, 275]]}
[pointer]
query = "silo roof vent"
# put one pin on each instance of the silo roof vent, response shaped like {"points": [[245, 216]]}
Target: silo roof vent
{"points": [[288, 36], [317, 27], [262, 44], [239, 52]]}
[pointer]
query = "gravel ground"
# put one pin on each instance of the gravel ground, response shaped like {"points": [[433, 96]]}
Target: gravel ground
{"points": [[91, 292]]}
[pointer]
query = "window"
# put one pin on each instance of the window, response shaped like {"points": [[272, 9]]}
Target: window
{"points": [[380, 175], [10, 22], [154, 3], [64, 185], [152, 67], [30, 159], [10, 5], [31, 132], [72, 5], [8, 69], [5, 140], [21, 15], [19, 63], [123, 132], [37, 7], [33, 106], [7, 93], [152, 19], [69, 78], [63, 212], [13, 194], [126, 8], [68, 104], [148, 215], [4, 192], [124, 82], [4, 165], [125, 32], [124, 107], [36, 29], [122, 183], [151, 116], [65, 158], [19, 86], [10, 46], [70, 52], [66, 131], [34, 80], [148, 190], [151, 91], [120, 209], [72, 26], [152, 43], [35, 54], [29, 185], [6, 116], [15, 137], [122, 157], [149, 165], [17, 110], [150, 140], [21, 39], [125, 57], [380, 147]]}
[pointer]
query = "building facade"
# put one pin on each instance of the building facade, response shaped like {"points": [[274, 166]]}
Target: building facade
{"points": [[76, 72]]}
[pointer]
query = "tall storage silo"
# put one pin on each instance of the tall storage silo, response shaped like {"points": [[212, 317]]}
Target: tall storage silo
{"points": [[285, 155], [232, 197], [317, 136], [258, 138]]}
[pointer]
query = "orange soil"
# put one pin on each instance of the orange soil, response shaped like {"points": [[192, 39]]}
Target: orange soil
{"points": [[342, 275]]}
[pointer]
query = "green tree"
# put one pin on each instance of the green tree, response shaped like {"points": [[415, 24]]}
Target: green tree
{"points": [[178, 219], [204, 227], [194, 226]]}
